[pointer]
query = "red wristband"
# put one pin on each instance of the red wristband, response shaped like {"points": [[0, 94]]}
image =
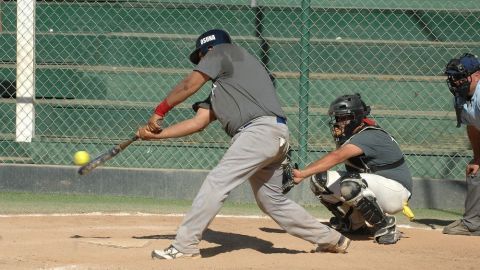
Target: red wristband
{"points": [[163, 108]]}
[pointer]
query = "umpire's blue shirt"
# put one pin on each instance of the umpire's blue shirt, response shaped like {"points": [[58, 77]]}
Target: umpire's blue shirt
{"points": [[471, 110]]}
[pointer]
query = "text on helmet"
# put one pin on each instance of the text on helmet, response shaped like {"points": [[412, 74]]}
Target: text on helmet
{"points": [[207, 39]]}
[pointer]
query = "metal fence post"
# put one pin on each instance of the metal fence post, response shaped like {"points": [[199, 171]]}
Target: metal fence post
{"points": [[25, 112], [304, 82]]}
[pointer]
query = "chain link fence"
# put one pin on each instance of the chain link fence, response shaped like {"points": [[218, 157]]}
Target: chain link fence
{"points": [[84, 75]]}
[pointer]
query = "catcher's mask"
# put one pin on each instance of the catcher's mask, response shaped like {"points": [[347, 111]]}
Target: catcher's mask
{"points": [[458, 72], [207, 40], [346, 114]]}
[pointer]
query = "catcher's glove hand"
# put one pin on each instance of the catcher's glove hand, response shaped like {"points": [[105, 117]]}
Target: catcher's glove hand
{"points": [[287, 181]]}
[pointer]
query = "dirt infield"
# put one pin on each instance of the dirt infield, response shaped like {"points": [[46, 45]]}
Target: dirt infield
{"points": [[125, 242]]}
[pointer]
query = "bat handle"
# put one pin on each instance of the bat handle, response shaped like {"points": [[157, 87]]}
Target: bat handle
{"points": [[127, 143]]}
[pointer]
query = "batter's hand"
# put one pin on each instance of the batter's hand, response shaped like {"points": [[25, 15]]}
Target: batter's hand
{"points": [[145, 134], [155, 123]]}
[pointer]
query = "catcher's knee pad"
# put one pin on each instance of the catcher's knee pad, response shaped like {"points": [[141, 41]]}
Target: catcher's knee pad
{"points": [[351, 187], [354, 190], [318, 184]]}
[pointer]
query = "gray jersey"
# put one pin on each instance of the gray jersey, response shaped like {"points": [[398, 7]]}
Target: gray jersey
{"points": [[242, 89], [379, 149]]}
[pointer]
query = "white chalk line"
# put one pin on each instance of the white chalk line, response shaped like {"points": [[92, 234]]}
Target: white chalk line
{"points": [[141, 214]]}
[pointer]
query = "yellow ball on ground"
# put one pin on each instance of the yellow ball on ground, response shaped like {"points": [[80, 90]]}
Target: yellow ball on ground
{"points": [[81, 158]]}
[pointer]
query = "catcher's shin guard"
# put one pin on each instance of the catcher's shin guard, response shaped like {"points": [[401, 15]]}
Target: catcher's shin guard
{"points": [[340, 221], [385, 229], [354, 191]]}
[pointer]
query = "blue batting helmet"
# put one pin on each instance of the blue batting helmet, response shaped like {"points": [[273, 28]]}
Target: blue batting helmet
{"points": [[207, 40]]}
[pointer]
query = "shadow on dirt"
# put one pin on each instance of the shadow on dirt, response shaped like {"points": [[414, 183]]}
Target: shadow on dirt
{"points": [[271, 230], [433, 223], [228, 242], [232, 241]]}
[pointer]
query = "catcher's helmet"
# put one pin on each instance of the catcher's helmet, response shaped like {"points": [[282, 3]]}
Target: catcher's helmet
{"points": [[207, 40], [346, 113]]}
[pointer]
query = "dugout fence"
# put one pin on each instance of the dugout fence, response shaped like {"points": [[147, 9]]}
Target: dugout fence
{"points": [[83, 75]]}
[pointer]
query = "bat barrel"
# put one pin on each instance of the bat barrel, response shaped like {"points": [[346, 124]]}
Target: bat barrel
{"points": [[106, 156]]}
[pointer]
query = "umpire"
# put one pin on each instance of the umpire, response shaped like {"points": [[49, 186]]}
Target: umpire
{"points": [[244, 100], [463, 75]]}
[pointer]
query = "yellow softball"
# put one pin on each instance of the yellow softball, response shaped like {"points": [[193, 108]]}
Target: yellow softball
{"points": [[81, 158]]}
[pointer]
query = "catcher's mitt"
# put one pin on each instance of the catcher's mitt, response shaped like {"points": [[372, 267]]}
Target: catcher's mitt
{"points": [[287, 181]]}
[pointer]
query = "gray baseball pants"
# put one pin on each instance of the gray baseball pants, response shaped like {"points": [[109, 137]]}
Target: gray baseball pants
{"points": [[471, 217], [255, 154]]}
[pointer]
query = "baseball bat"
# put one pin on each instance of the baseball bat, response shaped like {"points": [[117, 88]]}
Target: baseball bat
{"points": [[105, 156]]}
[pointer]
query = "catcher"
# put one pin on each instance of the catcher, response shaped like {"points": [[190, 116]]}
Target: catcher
{"points": [[377, 182]]}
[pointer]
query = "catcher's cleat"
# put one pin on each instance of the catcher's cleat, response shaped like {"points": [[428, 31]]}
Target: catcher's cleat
{"points": [[340, 247], [171, 253], [340, 224], [387, 234], [344, 226], [458, 228]]}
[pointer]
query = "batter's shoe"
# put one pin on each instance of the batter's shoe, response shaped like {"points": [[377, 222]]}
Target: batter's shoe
{"points": [[458, 228], [340, 247], [171, 253]]}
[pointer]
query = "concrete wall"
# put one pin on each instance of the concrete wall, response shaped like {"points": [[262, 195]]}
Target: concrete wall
{"points": [[184, 184]]}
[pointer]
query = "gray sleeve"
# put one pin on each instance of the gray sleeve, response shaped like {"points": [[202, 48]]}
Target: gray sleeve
{"points": [[204, 104], [217, 62], [364, 140], [212, 64]]}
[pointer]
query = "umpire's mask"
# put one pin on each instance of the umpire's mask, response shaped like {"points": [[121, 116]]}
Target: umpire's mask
{"points": [[458, 72]]}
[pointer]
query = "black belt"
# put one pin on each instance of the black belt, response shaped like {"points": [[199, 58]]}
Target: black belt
{"points": [[395, 164]]}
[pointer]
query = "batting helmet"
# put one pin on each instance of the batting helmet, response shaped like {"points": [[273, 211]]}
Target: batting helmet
{"points": [[207, 40], [346, 113]]}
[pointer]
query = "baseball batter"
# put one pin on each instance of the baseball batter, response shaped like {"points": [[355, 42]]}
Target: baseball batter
{"points": [[376, 182], [244, 100], [463, 75]]}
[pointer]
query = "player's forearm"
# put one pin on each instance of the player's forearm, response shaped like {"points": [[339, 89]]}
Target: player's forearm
{"points": [[322, 165], [181, 129], [201, 120]]}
